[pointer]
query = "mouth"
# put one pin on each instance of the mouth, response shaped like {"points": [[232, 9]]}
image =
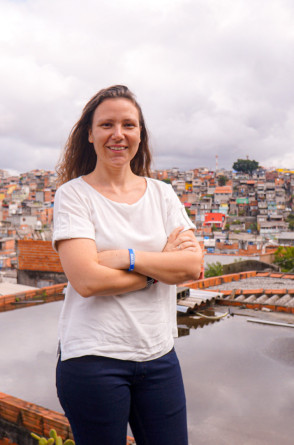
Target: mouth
{"points": [[117, 147]]}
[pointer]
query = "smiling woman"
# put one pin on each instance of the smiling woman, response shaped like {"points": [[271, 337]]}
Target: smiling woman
{"points": [[79, 157], [124, 243], [115, 135]]}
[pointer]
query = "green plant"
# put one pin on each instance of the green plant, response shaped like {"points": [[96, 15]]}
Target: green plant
{"points": [[53, 439], [284, 257], [213, 270], [290, 221], [222, 180], [188, 212], [253, 227], [245, 166]]}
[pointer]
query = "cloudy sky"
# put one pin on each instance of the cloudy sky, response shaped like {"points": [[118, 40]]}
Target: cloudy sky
{"points": [[214, 77]]}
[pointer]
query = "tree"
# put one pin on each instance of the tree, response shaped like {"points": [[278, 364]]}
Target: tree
{"points": [[290, 221], [253, 227], [284, 257], [222, 180], [213, 270], [188, 211], [245, 166]]}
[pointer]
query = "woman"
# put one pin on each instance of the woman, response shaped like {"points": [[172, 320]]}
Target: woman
{"points": [[124, 241]]}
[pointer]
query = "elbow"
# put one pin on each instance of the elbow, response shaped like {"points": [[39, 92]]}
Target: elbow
{"points": [[193, 268], [83, 290], [87, 291], [191, 275], [85, 294]]}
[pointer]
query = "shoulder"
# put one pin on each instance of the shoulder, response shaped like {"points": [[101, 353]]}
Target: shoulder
{"points": [[159, 186], [72, 188], [72, 193], [73, 184]]}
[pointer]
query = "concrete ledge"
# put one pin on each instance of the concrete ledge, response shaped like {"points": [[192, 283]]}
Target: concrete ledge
{"points": [[50, 293]]}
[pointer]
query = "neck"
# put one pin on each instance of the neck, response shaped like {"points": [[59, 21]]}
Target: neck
{"points": [[116, 177]]}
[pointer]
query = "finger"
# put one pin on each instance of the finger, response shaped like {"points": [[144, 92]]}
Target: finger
{"points": [[188, 241], [188, 245], [174, 234]]}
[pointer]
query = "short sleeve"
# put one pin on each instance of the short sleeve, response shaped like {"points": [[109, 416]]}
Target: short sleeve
{"points": [[176, 212], [72, 215]]}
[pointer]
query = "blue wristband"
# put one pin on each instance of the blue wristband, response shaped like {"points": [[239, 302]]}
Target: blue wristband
{"points": [[132, 260]]}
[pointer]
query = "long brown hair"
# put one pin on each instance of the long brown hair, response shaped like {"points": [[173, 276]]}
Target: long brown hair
{"points": [[79, 157]]}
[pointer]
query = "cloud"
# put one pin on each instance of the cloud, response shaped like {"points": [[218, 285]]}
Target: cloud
{"points": [[213, 78]]}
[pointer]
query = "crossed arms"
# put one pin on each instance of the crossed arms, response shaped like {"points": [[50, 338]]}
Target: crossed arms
{"points": [[105, 273]]}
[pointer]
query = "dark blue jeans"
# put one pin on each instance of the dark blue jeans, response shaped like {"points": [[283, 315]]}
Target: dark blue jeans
{"points": [[101, 395]]}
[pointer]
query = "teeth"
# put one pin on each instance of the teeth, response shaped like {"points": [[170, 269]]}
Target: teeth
{"points": [[117, 148]]}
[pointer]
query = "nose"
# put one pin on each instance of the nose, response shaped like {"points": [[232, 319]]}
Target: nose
{"points": [[117, 132]]}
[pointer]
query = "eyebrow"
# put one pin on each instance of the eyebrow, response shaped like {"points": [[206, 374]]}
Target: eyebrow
{"points": [[109, 119]]}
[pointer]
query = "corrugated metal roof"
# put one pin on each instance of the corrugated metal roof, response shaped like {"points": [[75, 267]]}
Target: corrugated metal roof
{"points": [[197, 299]]}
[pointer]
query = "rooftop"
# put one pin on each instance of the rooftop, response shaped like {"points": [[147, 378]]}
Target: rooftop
{"points": [[253, 290]]}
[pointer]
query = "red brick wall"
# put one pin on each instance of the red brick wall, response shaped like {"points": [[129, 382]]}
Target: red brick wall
{"points": [[5, 214], [7, 441], [46, 215], [37, 255], [8, 246], [47, 195], [223, 246]]}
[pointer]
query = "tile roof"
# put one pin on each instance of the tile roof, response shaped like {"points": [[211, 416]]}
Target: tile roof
{"points": [[255, 290], [224, 189]]}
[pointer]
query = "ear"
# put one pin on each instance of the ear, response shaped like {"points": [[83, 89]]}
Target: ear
{"points": [[90, 136]]}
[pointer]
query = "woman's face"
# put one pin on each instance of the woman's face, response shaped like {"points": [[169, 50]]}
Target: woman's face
{"points": [[115, 132]]}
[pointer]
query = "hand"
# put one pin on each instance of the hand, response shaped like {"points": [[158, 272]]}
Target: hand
{"points": [[179, 240]]}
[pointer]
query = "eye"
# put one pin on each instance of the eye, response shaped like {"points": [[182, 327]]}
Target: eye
{"points": [[106, 125], [129, 125]]}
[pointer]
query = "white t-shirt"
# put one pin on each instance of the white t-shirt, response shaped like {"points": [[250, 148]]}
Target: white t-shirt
{"points": [[137, 325]]}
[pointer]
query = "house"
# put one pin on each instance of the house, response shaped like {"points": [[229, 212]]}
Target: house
{"points": [[285, 238], [222, 194], [217, 220]]}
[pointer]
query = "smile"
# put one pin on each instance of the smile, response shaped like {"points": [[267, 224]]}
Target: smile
{"points": [[117, 148]]}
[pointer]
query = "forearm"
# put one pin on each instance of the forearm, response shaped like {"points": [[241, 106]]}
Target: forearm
{"points": [[79, 259], [167, 267], [110, 282]]}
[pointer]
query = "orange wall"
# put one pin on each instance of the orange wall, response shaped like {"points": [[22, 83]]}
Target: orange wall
{"points": [[37, 255]]}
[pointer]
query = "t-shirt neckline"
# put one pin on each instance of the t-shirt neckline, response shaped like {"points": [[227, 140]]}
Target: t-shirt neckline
{"points": [[116, 202]]}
